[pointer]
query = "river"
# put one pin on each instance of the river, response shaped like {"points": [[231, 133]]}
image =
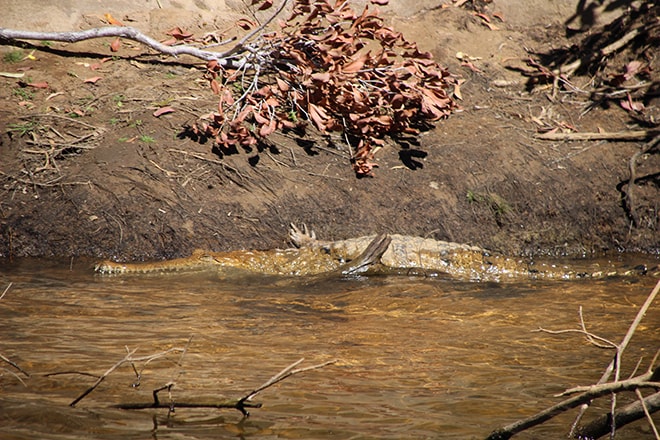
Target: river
{"points": [[415, 357]]}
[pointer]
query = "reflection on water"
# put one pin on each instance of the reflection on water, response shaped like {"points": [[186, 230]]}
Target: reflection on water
{"points": [[417, 357]]}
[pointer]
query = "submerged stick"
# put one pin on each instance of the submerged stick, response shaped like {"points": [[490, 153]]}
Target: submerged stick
{"points": [[616, 361], [238, 404], [587, 394], [591, 393], [628, 414], [128, 358], [14, 364], [219, 404], [286, 372]]}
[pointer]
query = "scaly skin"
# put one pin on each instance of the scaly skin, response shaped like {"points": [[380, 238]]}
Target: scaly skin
{"points": [[293, 262], [313, 257]]}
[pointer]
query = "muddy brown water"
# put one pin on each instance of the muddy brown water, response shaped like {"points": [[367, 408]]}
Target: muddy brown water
{"points": [[416, 357]]}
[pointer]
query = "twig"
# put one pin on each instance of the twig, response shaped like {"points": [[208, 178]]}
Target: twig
{"points": [[134, 34], [288, 371], [590, 336], [239, 404], [13, 364], [637, 410], [624, 343], [569, 69], [634, 135], [65, 118], [642, 381], [51, 183], [647, 411], [240, 46], [587, 395], [81, 373], [128, 32], [6, 290], [128, 358], [15, 375], [229, 404]]}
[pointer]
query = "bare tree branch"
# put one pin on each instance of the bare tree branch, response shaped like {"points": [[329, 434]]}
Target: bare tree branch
{"points": [[241, 44], [226, 59], [14, 364], [616, 362], [587, 394], [4, 292], [650, 379], [219, 404], [630, 413], [633, 135], [286, 372], [128, 32], [238, 404], [128, 358]]}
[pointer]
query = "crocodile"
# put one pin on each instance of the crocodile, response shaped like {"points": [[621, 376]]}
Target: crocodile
{"points": [[391, 253]]}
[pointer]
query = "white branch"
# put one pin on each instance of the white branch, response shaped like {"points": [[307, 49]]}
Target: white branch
{"points": [[130, 33]]}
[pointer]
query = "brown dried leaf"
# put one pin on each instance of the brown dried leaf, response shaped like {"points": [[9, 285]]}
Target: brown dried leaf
{"points": [[471, 66], [115, 45], [632, 68], [282, 85], [38, 85], [215, 87], [179, 33], [260, 118], [266, 5], [356, 65], [113, 21], [269, 128], [631, 106], [163, 111], [321, 76], [245, 24], [228, 97], [98, 65], [318, 115]]}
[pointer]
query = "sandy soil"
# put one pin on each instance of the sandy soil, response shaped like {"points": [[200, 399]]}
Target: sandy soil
{"points": [[87, 170]]}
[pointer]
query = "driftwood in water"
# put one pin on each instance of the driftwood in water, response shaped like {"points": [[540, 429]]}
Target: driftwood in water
{"points": [[604, 424], [239, 404], [629, 413]]}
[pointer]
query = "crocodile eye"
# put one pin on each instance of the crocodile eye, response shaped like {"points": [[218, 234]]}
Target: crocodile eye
{"points": [[641, 269]]}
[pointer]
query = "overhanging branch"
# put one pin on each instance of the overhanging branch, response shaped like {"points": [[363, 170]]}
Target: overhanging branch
{"points": [[127, 32]]}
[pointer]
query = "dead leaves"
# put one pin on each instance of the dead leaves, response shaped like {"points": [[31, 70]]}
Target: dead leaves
{"points": [[336, 70], [162, 111], [115, 45], [112, 21]]}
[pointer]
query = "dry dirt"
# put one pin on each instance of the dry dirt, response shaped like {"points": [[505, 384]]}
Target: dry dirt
{"points": [[87, 170]]}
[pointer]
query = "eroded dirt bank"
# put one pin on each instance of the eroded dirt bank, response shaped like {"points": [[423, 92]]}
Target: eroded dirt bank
{"points": [[88, 170]]}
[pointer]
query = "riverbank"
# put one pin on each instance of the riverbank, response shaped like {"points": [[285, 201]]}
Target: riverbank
{"points": [[88, 170]]}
